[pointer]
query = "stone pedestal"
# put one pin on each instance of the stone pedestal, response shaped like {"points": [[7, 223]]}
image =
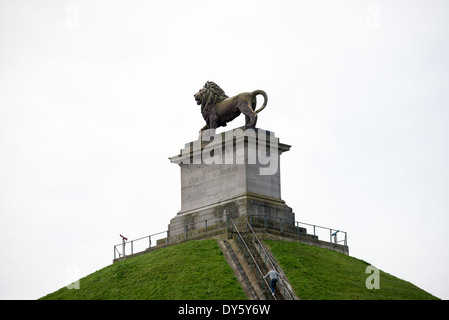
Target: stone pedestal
{"points": [[235, 172]]}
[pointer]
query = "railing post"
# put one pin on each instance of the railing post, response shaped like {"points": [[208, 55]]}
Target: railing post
{"points": [[227, 218], [206, 224]]}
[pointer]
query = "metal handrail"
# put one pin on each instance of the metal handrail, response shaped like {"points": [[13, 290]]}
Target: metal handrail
{"points": [[331, 233], [155, 234], [267, 256], [132, 244], [252, 257], [205, 221]]}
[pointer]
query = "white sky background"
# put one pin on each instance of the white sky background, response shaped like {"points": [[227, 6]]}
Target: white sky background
{"points": [[96, 95]]}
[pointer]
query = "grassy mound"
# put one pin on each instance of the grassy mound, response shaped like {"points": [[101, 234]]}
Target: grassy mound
{"points": [[197, 270], [317, 273], [191, 270]]}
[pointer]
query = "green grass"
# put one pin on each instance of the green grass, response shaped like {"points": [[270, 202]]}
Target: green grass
{"points": [[197, 270], [192, 270], [317, 273]]}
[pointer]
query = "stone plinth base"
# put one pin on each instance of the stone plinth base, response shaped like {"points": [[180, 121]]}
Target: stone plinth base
{"points": [[239, 209], [235, 172]]}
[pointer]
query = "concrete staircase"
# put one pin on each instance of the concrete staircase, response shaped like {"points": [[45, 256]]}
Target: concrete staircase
{"points": [[241, 268], [251, 261], [260, 262]]}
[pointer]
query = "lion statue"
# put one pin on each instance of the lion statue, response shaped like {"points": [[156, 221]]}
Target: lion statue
{"points": [[218, 109]]}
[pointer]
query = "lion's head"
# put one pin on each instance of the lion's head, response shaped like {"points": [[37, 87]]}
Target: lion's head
{"points": [[210, 95]]}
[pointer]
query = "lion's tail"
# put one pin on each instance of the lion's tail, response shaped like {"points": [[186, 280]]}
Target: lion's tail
{"points": [[265, 97]]}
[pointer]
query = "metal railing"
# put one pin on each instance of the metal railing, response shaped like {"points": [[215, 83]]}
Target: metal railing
{"points": [[296, 227], [333, 234], [144, 243], [270, 264], [250, 260], [137, 245], [205, 226]]}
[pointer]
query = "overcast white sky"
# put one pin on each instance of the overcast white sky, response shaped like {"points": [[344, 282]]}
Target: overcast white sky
{"points": [[96, 95]]}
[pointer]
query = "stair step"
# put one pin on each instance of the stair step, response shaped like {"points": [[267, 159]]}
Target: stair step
{"points": [[245, 241], [246, 283]]}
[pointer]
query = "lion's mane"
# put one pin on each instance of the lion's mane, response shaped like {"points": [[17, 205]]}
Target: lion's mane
{"points": [[211, 94]]}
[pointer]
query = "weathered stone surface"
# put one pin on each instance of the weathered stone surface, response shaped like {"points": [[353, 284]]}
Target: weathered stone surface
{"points": [[237, 172]]}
